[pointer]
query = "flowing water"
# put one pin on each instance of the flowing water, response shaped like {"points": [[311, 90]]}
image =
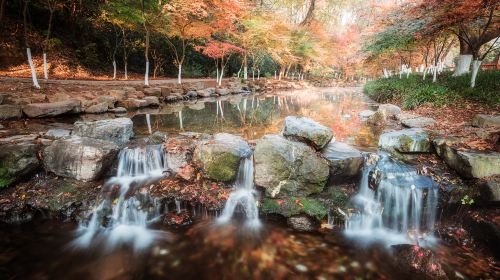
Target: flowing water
{"points": [[126, 209]]}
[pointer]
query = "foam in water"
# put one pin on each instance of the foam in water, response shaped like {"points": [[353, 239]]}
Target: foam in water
{"points": [[125, 219], [243, 197], [396, 204]]}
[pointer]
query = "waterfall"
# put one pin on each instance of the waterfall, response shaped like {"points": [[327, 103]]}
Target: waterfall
{"points": [[123, 217], [395, 203], [243, 197]]}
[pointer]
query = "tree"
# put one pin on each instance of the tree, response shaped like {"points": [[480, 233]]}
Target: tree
{"points": [[220, 52], [27, 45], [52, 6]]}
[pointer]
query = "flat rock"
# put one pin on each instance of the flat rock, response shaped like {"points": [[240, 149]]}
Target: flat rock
{"points": [[288, 168], [57, 133], [345, 161], [118, 130], [222, 91], [152, 101], [302, 223], [414, 140], [10, 112], [205, 92], [481, 120], [308, 131], [97, 108], [81, 158], [364, 115], [118, 110], [110, 100], [152, 91], [419, 122], [40, 110], [389, 111]]}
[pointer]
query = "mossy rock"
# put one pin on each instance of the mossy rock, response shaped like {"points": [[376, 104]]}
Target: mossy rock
{"points": [[294, 206], [17, 161]]}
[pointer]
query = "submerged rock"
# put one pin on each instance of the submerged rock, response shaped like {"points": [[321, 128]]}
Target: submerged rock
{"points": [[284, 167], [345, 161], [81, 158], [419, 262], [220, 156], [413, 140], [17, 160], [118, 130], [307, 130], [302, 223], [40, 110], [9, 112], [481, 120]]}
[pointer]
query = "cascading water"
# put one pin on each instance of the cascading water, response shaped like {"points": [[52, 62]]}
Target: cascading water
{"points": [[243, 197], [396, 204], [126, 210]]}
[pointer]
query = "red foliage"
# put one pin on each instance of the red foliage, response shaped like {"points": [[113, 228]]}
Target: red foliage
{"points": [[217, 49]]}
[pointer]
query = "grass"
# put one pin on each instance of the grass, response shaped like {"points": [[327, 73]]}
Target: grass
{"points": [[413, 91]]}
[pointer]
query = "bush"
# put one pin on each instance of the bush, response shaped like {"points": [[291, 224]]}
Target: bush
{"points": [[413, 91]]}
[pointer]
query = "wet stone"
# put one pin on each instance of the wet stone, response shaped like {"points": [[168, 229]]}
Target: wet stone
{"points": [[307, 130], [482, 120]]}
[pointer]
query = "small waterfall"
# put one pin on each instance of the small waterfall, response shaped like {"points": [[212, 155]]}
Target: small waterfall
{"points": [[243, 197], [123, 217], [396, 204]]}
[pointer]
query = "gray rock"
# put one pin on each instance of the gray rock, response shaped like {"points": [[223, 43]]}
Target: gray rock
{"points": [[57, 133], [152, 91], [302, 223], [205, 92], [118, 130], [222, 91], [157, 138], [40, 110], [414, 140], [97, 108], [220, 156], [10, 112], [192, 94], [493, 189], [307, 130], [345, 161], [133, 103], [118, 110], [81, 158], [481, 120], [110, 100], [17, 160], [364, 115], [152, 101], [389, 111], [288, 168], [419, 122]]}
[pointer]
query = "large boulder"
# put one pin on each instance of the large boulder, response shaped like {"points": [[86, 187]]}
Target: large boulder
{"points": [[414, 140], [220, 156], [467, 163], [17, 160], [345, 161], [308, 131], [481, 120], [118, 130], [40, 110], [81, 158], [284, 167], [9, 112], [389, 111]]}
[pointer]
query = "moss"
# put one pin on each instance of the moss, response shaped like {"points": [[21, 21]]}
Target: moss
{"points": [[5, 178], [294, 206], [223, 167]]}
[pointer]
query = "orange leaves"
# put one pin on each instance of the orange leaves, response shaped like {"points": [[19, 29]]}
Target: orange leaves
{"points": [[217, 49]]}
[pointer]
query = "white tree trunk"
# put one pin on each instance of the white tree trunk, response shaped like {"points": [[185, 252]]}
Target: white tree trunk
{"points": [[253, 74], [434, 73], [258, 74], [476, 65], [245, 72], [425, 73], [220, 76], [217, 74], [179, 74], [239, 72], [45, 72], [275, 75], [146, 74], [125, 71], [463, 64], [32, 67], [114, 70]]}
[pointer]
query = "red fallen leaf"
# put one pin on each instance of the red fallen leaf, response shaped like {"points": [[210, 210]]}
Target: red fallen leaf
{"points": [[280, 201]]}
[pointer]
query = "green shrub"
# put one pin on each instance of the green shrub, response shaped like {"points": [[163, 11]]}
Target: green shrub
{"points": [[413, 91]]}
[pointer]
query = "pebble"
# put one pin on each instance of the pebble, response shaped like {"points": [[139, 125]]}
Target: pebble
{"points": [[301, 267]]}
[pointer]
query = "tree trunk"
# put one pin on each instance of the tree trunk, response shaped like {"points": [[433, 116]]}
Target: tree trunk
{"points": [[464, 59], [125, 66], [179, 74], [245, 68], [221, 75], [434, 73], [114, 69], [146, 56], [258, 74], [28, 50], [45, 72], [32, 67], [47, 42], [476, 65]]}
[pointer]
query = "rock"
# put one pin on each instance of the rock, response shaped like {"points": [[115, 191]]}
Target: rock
{"points": [[40, 110], [308, 131], [492, 188], [118, 110], [152, 91], [364, 115], [284, 167], [419, 262], [17, 161], [414, 140], [293, 206], [152, 101], [205, 92], [192, 94], [179, 152], [377, 119], [187, 173], [133, 103], [222, 91], [110, 100], [483, 121], [345, 161], [419, 122], [10, 112], [484, 228], [389, 111], [406, 116], [58, 97], [302, 223], [97, 108], [220, 156], [118, 94], [38, 98], [57, 133], [467, 163], [81, 158], [118, 130], [3, 96], [157, 138]]}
